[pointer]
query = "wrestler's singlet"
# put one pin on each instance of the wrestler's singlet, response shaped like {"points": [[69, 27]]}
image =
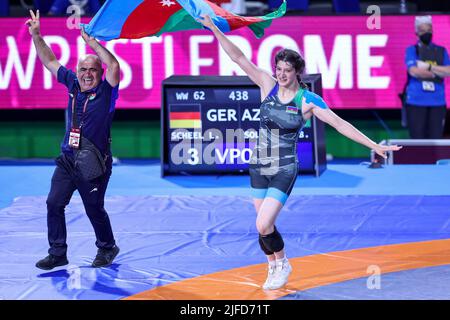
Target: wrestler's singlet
{"points": [[274, 160], [280, 124]]}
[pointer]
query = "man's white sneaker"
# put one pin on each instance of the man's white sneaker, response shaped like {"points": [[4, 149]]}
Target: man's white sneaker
{"points": [[270, 275], [282, 272]]}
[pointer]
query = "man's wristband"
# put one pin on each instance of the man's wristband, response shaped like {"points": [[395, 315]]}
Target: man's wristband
{"points": [[429, 68]]}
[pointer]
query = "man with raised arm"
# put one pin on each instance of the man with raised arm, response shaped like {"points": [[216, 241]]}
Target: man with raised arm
{"points": [[90, 112]]}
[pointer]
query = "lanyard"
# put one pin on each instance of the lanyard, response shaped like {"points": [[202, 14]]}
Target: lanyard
{"points": [[74, 115]]}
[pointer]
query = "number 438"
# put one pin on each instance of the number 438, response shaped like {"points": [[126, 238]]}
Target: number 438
{"points": [[238, 95]]}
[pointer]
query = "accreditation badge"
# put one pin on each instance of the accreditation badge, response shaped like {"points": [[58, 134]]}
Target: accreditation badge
{"points": [[74, 138], [428, 86]]}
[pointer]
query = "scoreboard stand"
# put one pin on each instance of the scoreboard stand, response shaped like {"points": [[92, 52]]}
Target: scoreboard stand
{"points": [[209, 126]]}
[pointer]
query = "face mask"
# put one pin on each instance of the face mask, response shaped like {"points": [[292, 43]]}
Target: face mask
{"points": [[426, 38]]}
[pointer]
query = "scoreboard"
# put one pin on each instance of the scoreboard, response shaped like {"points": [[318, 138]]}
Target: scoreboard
{"points": [[209, 125]]}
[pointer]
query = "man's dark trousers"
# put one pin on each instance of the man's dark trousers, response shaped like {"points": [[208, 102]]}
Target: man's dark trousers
{"points": [[64, 183]]}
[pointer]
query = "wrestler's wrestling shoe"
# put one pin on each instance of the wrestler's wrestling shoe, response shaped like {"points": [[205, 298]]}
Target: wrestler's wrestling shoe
{"points": [[270, 276], [282, 272]]}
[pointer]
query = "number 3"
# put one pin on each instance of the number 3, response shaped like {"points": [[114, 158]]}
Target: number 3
{"points": [[194, 156]]}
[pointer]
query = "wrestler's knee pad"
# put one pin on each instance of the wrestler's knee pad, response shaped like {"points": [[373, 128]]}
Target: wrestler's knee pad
{"points": [[263, 246], [273, 241]]}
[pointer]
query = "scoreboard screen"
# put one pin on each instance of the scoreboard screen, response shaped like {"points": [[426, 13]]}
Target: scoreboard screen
{"points": [[210, 125]]}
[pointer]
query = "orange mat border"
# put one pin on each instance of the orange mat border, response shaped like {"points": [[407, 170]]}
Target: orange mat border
{"points": [[308, 272]]}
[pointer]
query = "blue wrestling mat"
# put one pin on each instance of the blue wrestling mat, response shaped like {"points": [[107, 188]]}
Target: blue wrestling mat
{"points": [[175, 229]]}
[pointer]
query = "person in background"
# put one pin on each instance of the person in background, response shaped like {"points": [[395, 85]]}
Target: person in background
{"points": [[427, 64]]}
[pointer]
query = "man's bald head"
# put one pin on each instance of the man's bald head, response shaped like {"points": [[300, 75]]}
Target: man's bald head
{"points": [[90, 58], [89, 72]]}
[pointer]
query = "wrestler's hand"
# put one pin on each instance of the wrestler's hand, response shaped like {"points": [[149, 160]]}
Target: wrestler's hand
{"points": [[206, 21], [382, 149]]}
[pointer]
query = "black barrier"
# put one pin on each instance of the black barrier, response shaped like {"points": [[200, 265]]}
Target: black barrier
{"points": [[415, 151]]}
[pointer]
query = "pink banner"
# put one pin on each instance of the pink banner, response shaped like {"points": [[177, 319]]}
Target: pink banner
{"points": [[362, 65]]}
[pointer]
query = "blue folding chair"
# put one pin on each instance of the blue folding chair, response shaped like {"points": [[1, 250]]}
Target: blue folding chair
{"points": [[342, 6], [443, 162], [291, 4]]}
